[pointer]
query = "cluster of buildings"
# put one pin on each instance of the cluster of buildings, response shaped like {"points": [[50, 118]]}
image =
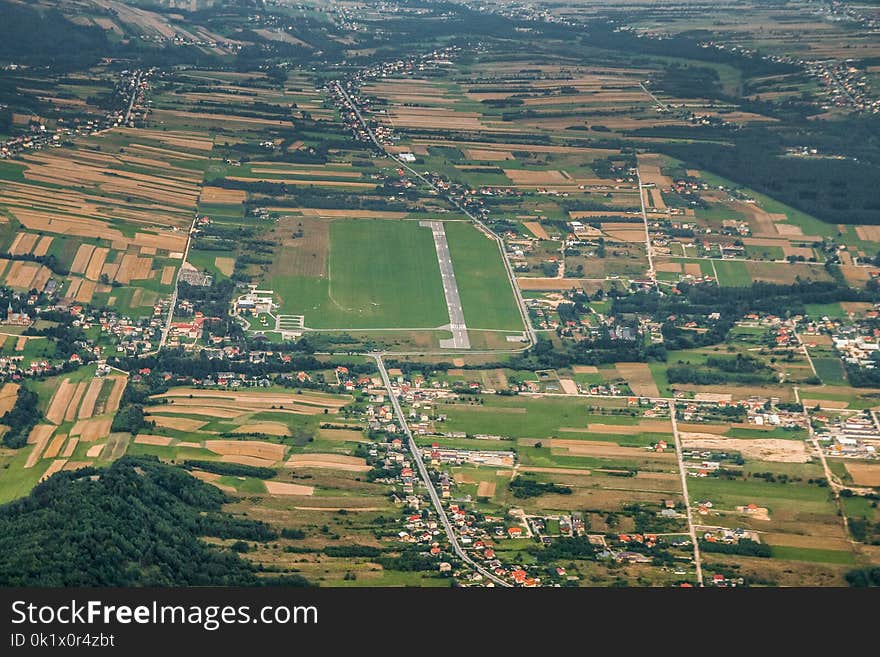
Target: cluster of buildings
{"points": [[129, 97], [437, 456], [849, 435]]}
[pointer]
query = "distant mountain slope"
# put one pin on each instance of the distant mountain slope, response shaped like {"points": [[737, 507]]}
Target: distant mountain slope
{"points": [[38, 38]]}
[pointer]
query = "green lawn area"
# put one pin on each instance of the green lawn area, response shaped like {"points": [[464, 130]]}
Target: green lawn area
{"points": [[486, 295], [727, 494], [812, 554], [381, 274], [830, 370], [15, 480], [732, 273], [819, 310], [528, 418]]}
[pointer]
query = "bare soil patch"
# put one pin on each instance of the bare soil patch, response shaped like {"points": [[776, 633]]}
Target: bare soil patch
{"points": [[764, 449]]}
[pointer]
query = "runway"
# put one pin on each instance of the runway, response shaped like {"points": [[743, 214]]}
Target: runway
{"points": [[459, 338]]}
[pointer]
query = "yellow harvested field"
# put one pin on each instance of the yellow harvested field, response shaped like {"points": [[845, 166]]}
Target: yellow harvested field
{"points": [[21, 343], [134, 267], [23, 243], [115, 394], [864, 474], [70, 413], [81, 259], [222, 196], [269, 428], [256, 448], [552, 283], [210, 411], [601, 449], [191, 445], [21, 274], [626, 429], [178, 423], [331, 461], [283, 488], [149, 439], [76, 465], [91, 430], [868, 233], [628, 235], [639, 378], [487, 155], [95, 450], [536, 229], [85, 291], [168, 274], [39, 437], [649, 170], [225, 265], [87, 408], [60, 401], [826, 403], [96, 263], [585, 369], [524, 177], [693, 269], [54, 467], [248, 400], [569, 386], [55, 446], [764, 449], [8, 395], [672, 267], [70, 448], [486, 489]]}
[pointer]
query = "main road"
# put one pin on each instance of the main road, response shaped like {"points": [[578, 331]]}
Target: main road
{"points": [[137, 83], [423, 473], [521, 304], [167, 327], [682, 471]]}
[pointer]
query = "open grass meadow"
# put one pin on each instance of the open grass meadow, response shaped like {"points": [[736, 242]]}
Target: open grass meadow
{"points": [[379, 274], [486, 295]]}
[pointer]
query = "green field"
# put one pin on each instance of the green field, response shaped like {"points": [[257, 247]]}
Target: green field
{"points": [[801, 498], [486, 295], [813, 554], [830, 370], [381, 274], [732, 273], [531, 418]]}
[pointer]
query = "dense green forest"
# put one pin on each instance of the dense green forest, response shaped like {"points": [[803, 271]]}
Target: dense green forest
{"points": [[136, 523]]}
